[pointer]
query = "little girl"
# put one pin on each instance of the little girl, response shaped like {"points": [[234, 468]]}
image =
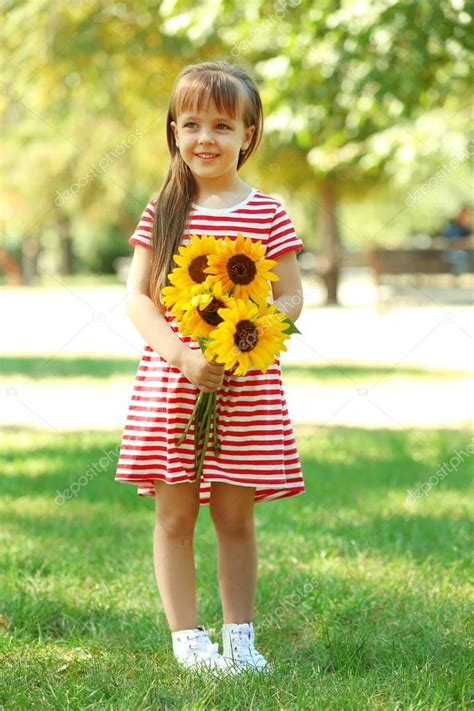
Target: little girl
{"points": [[214, 124]]}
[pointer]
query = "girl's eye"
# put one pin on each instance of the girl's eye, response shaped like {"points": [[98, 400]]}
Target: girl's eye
{"points": [[189, 123]]}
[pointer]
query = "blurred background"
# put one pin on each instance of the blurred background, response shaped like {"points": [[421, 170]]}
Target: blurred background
{"points": [[368, 142]]}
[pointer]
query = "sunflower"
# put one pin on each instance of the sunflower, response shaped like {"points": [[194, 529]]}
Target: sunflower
{"points": [[239, 266], [192, 260], [250, 336], [200, 316], [175, 299]]}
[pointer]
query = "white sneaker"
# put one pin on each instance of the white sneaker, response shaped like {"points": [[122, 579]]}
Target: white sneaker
{"points": [[239, 651], [194, 650]]}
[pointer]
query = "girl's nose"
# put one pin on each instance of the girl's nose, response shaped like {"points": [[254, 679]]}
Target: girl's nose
{"points": [[206, 138]]}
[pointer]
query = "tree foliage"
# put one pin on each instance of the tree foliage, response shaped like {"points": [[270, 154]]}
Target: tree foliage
{"points": [[346, 86]]}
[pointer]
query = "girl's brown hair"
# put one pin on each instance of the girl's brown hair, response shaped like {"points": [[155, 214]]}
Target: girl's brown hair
{"points": [[235, 93]]}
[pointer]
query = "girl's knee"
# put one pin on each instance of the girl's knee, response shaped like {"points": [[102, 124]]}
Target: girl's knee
{"points": [[232, 522], [177, 509], [232, 508], [177, 524]]}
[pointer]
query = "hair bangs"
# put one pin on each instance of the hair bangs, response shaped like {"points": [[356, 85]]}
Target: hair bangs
{"points": [[204, 89]]}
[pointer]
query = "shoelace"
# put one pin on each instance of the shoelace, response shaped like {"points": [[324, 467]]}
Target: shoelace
{"points": [[202, 645], [244, 647]]}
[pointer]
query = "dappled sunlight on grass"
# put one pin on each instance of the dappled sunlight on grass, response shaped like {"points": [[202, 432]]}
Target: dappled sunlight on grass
{"points": [[345, 372], [352, 579], [46, 369], [43, 367]]}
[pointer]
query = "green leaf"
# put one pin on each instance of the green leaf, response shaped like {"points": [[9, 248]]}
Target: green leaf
{"points": [[293, 328]]}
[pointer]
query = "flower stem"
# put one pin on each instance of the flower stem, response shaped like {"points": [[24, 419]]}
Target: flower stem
{"points": [[193, 414], [204, 446], [200, 416], [205, 418], [217, 448], [198, 429]]}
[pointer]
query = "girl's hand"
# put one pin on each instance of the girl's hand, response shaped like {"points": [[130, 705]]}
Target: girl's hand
{"points": [[204, 374]]}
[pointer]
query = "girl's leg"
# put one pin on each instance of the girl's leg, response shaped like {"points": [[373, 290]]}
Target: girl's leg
{"points": [[231, 509], [177, 509]]}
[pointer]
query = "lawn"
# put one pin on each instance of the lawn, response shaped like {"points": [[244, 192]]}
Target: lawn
{"points": [[363, 598], [37, 367]]}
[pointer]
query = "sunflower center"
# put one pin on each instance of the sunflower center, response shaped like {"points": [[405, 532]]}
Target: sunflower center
{"points": [[246, 336], [209, 314], [241, 269], [196, 269]]}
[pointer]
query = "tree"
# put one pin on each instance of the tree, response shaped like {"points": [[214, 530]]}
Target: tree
{"points": [[84, 89], [334, 78], [343, 84]]}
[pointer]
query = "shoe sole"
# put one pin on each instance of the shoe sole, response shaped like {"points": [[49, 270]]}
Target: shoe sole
{"points": [[243, 666]]}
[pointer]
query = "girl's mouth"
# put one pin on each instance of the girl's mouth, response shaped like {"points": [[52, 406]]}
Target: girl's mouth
{"points": [[207, 156]]}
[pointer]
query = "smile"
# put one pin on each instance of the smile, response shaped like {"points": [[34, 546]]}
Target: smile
{"points": [[207, 156]]}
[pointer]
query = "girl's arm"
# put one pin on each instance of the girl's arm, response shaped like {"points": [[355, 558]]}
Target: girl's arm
{"points": [[146, 318], [288, 292]]}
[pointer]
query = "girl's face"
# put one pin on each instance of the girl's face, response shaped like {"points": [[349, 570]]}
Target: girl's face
{"points": [[210, 142]]}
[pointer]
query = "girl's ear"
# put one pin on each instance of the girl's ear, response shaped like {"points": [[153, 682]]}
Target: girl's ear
{"points": [[248, 133], [173, 128]]}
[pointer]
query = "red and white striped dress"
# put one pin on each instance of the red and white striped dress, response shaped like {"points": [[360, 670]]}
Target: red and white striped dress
{"points": [[258, 447]]}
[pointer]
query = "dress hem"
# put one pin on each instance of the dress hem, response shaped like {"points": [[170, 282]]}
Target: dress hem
{"points": [[273, 492]]}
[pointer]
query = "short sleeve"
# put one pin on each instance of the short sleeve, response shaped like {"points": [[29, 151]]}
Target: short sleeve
{"points": [[282, 237], [144, 230]]}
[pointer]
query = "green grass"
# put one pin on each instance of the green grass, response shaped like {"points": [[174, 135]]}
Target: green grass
{"points": [[381, 616], [41, 367]]}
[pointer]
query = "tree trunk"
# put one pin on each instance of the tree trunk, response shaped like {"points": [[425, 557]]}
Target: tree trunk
{"points": [[29, 259], [66, 255], [330, 243]]}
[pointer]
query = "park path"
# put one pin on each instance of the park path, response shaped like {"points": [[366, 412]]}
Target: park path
{"points": [[394, 405], [91, 321]]}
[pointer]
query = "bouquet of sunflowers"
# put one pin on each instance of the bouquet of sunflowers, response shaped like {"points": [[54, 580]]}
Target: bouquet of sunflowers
{"points": [[219, 298]]}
